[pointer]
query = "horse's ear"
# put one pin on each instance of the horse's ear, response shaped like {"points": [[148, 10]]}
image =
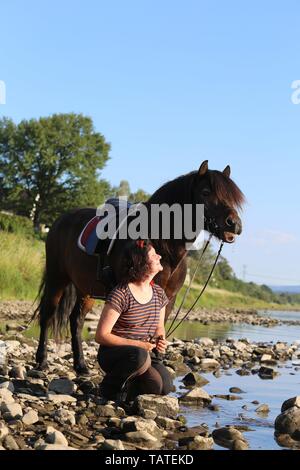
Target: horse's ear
{"points": [[203, 168], [227, 171]]}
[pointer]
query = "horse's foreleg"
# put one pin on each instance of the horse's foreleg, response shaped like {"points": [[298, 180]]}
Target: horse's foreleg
{"points": [[81, 308]]}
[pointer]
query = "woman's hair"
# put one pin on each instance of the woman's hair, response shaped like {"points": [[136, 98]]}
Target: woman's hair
{"points": [[135, 265]]}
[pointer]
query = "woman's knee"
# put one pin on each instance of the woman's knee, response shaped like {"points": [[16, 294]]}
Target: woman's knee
{"points": [[139, 357]]}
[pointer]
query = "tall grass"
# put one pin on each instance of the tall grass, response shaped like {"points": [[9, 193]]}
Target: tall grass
{"points": [[21, 266]]}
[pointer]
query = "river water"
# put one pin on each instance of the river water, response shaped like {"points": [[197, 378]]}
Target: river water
{"points": [[272, 392]]}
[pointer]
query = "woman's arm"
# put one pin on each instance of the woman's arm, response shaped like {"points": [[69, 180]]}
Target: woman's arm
{"points": [[105, 337], [160, 331]]}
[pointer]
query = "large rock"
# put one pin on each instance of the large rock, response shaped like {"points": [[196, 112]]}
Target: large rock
{"points": [[31, 417], [56, 437], [196, 396], [65, 417], [6, 396], [11, 411], [192, 379], [288, 422], [143, 438], [230, 438], [295, 401], [62, 386], [141, 424], [162, 405], [57, 399]]}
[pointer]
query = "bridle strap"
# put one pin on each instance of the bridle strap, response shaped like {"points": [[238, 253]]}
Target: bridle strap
{"points": [[199, 296]]}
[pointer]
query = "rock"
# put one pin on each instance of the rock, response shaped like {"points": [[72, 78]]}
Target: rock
{"points": [[243, 372], [288, 422], [162, 405], [235, 390], [167, 423], [193, 378], [197, 395], [205, 342], [62, 386], [141, 424], [56, 437], [225, 437], [29, 387], [142, 438], [10, 443], [6, 396], [7, 385], [65, 417], [267, 373], [3, 430], [11, 411], [18, 372], [266, 358], [264, 408], [148, 414], [200, 443], [110, 444], [239, 444], [31, 417], [290, 403], [285, 440], [208, 364], [57, 399]]}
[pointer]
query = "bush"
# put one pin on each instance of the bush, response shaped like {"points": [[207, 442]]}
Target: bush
{"points": [[16, 224]]}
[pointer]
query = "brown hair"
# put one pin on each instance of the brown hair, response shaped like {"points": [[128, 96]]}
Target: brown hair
{"points": [[135, 265]]}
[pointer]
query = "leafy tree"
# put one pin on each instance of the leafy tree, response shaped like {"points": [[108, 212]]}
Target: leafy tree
{"points": [[139, 196], [50, 165]]}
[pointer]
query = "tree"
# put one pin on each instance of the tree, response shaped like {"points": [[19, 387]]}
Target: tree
{"points": [[123, 190], [139, 196], [50, 165]]}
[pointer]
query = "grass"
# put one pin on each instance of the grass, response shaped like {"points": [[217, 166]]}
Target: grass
{"points": [[22, 263], [219, 298], [21, 266]]}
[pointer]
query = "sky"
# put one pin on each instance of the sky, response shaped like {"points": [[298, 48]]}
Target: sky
{"points": [[170, 84]]}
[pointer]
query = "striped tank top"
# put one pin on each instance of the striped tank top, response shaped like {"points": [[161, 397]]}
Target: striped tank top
{"points": [[136, 320]]}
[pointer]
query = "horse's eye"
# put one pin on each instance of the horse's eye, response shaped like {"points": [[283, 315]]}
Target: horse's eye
{"points": [[205, 192]]}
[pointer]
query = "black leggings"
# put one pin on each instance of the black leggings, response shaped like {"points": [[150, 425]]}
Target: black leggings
{"points": [[132, 366]]}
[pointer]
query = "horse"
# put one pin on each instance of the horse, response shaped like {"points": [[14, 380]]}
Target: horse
{"points": [[69, 285]]}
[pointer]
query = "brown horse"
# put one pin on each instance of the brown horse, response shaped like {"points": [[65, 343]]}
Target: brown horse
{"points": [[70, 282]]}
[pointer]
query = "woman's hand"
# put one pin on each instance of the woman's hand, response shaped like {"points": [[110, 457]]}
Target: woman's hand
{"points": [[146, 345], [161, 345]]}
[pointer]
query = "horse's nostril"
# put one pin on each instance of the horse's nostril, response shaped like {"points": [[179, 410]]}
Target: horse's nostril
{"points": [[230, 222]]}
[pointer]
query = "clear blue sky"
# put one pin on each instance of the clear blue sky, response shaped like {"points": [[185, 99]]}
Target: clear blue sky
{"points": [[169, 84]]}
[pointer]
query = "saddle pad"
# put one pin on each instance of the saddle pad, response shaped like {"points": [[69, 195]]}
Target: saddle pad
{"points": [[88, 239]]}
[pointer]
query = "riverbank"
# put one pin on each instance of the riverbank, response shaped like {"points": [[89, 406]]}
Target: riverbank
{"points": [[57, 410]]}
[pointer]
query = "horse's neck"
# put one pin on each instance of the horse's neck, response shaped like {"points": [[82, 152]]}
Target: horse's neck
{"points": [[175, 191]]}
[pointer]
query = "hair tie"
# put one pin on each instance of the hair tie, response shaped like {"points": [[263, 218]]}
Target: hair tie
{"points": [[140, 243]]}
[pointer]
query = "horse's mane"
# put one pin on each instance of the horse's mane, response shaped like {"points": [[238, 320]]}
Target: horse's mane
{"points": [[225, 189]]}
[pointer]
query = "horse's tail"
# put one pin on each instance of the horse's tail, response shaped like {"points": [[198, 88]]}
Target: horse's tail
{"points": [[57, 315]]}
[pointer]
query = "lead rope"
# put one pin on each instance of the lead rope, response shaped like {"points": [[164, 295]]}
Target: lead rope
{"points": [[190, 284], [203, 289]]}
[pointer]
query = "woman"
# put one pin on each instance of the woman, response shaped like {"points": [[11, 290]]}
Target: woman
{"points": [[131, 329]]}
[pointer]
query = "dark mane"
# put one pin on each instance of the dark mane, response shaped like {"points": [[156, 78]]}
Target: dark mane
{"points": [[170, 190], [226, 191]]}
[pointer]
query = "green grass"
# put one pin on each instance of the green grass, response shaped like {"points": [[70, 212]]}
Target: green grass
{"points": [[22, 263], [21, 266], [220, 298]]}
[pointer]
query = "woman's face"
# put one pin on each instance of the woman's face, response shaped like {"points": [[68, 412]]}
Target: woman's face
{"points": [[154, 261]]}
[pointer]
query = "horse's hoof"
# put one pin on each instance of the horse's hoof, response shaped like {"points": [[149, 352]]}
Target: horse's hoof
{"points": [[82, 370], [41, 366]]}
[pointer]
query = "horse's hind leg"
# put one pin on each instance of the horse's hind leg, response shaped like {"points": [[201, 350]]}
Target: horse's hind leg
{"points": [[47, 309], [82, 307]]}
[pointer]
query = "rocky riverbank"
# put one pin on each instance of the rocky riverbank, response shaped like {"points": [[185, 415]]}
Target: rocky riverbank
{"points": [[57, 410], [17, 313]]}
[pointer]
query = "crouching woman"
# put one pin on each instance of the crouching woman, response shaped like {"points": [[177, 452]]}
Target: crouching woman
{"points": [[131, 329]]}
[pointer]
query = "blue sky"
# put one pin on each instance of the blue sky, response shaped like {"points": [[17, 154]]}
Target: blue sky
{"points": [[171, 84]]}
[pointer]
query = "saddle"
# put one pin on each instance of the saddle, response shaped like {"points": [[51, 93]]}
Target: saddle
{"points": [[93, 243]]}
